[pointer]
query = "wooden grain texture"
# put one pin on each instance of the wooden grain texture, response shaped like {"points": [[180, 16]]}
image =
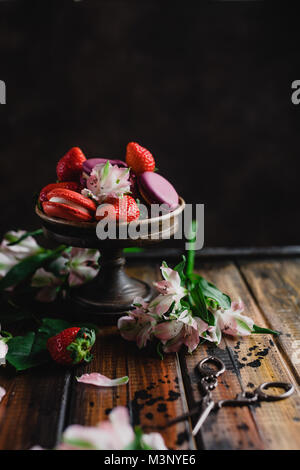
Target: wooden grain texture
{"points": [[230, 428], [258, 359], [276, 287], [153, 395], [41, 402], [32, 410]]}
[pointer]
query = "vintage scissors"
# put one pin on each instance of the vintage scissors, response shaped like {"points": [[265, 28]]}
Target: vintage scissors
{"points": [[209, 381]]}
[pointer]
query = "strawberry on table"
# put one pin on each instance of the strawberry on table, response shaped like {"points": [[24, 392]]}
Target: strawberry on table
{"points": [[72, 346], [69, 167], [72, 185], [123, 209], [139, 158]]}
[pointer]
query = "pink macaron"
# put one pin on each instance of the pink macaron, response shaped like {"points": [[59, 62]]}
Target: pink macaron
{"points": [[155, 189]]}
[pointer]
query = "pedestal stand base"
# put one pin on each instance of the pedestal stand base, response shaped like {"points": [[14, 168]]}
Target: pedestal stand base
{"points": [[111, 293]]}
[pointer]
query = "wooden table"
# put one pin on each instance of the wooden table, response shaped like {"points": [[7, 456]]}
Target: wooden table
{"points": [[41, 402]]}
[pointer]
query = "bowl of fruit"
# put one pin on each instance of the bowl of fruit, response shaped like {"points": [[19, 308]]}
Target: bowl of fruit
{"points": [[109, 204]]}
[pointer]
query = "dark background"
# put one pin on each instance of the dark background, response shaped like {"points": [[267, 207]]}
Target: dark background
{"points": [[205, 86]]}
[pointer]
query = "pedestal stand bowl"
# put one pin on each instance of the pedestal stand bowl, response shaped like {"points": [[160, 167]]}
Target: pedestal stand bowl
{"points": [[112, 291]]}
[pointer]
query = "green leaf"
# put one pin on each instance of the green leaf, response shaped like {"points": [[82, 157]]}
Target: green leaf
{"points": [[26, 235], [211, 291], [159, 351], [243, 325], [260, 330], [133, 249], [105, 171], [26, 351], [180, 269], [137, 443], [198, 304], [53, 326], [28, 266]]}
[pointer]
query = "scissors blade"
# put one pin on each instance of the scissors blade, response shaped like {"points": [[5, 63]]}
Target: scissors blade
{"points": [[209, 406], [183, 417]]}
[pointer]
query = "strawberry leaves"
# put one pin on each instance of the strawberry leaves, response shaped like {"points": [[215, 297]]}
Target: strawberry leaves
{"points": [[26, 351], [30, 350]]}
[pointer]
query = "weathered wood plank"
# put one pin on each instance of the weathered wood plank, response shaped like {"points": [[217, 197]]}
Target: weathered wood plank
{"points": [[276, 287], [229, 428], [153, 395], [258, 359], [32, 410]]}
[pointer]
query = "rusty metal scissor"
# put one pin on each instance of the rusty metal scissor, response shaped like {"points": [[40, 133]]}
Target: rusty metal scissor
{"points": [[209, 381]]}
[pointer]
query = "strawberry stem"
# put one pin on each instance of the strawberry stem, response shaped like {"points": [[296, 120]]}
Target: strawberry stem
{"points": [[81, 347]]}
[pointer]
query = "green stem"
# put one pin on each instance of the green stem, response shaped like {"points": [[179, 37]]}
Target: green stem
{"points": [[26, 235], [190, 264], [7, 336]]}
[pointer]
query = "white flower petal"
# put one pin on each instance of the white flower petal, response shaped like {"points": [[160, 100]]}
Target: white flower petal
{"points": [[43, 278], [154, 440], [3, 352], [7, 261], [25, 248], [2, 393], [108, 180]]}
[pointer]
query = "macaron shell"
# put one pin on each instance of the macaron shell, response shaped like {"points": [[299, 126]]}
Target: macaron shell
{"points": [[62, 211], [67, 185], [73, 197], [156, 189]]}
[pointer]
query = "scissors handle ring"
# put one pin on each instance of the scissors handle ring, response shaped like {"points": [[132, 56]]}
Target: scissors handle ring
{"points": [[288, 387], [211, 360]]}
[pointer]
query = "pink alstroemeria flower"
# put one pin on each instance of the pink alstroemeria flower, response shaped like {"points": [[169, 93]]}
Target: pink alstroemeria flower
{"points": [[81, 265], [185, 329], [48, 285], [138, 325], [25, 248], [3, 352], [7, 261], [170, 290], [115, 434], [11, 255], [230, 322], [107, 180]]}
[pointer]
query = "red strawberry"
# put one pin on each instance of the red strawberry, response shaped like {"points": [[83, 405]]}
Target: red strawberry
{"points": [[67, 185], [72, 346], [69, 167], [139, 158], [124, 209]]}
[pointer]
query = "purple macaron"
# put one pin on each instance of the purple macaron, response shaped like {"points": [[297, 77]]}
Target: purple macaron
{"points": [[155, 189]]}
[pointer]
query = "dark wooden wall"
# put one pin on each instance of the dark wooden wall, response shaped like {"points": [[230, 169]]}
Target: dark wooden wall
{"points": [[207, 89]]}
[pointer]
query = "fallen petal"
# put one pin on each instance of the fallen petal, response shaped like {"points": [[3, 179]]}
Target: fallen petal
{"points": [[2, 393], [101, 381]]}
